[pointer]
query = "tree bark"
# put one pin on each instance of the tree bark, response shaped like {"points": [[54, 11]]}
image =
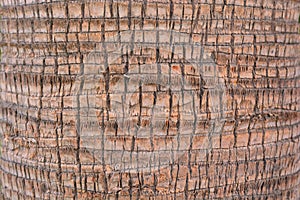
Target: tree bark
{"points": [[150, 99]]}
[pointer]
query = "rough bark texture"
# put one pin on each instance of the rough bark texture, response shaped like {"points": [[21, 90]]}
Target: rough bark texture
{"points": [[230, 131]]}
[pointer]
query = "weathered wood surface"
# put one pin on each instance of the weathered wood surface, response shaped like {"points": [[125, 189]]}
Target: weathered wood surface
{"points": [[206, 93]]}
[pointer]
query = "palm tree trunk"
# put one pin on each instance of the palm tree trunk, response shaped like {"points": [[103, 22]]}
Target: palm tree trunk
{"points": [[150, 99]]}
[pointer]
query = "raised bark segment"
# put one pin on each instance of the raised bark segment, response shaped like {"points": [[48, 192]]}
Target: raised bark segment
{"points": [[205, 93]]}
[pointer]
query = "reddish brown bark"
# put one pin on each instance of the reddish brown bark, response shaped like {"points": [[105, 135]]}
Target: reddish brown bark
{"points": [[233, 123]]}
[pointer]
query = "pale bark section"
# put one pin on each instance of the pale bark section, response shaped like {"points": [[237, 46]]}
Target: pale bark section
{"points": [[245, 147]]}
